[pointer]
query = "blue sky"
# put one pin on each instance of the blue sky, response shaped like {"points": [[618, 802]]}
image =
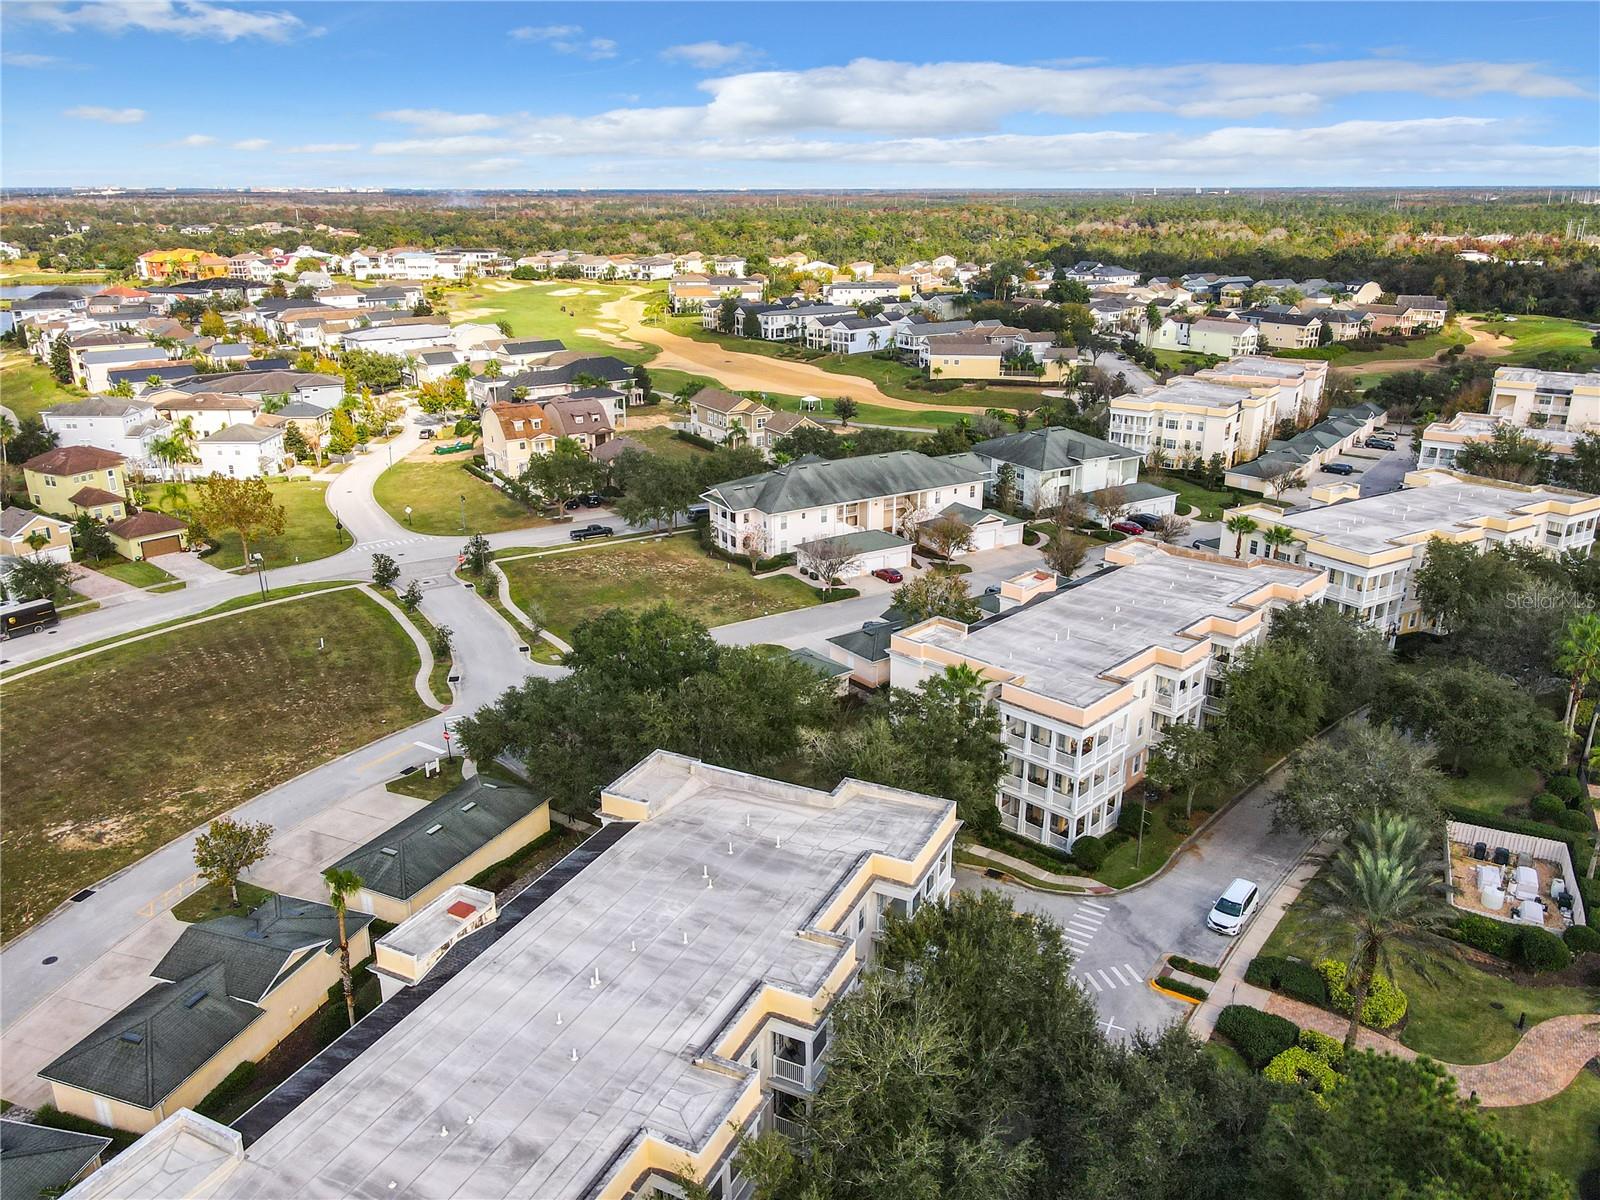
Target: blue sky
{"points": [[169, 93]]}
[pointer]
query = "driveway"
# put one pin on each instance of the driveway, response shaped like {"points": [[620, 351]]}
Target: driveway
{"points": [[1120, 940]]}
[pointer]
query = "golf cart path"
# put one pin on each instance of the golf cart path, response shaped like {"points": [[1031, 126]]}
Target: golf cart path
{"points": [[751, 372], [1541, 1065]]}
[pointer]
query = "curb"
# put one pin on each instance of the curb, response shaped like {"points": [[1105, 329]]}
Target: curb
{"points": [[1156, 987]]}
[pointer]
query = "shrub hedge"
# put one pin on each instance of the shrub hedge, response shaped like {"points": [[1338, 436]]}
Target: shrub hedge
{"points": [[1567, 788], [1546, 806], [1540, 950], [1259, 1037], [1184, 988], [1299, 1067], [1329, 1049], [1385, 1004], [233, 1085], [1291, 977], [1089, 852], [1484, 933], [1578, 845], [1194, 968], [1581, 939]]}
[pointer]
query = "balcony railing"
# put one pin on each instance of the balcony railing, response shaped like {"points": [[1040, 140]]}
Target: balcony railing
{"points": [[789, 1129], [790, 1072]]}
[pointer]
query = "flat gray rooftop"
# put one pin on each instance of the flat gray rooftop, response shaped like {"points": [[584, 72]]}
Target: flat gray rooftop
{"points": [[1375, 523], [675, 959], [1189, 390], [1260, 364], [1065, 644], [1560, 379]]}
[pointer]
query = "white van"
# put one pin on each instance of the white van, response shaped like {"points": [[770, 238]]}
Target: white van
{"points": [[1233, 908]]}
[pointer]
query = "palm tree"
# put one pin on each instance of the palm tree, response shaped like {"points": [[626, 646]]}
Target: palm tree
{"points": [[1239, 525], [8, 431], [1276, 537], [1381, 885], [341, 886], [1580, 659]]}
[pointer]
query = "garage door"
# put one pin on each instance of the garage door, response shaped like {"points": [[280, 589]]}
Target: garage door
{"points": [[162, 545]]}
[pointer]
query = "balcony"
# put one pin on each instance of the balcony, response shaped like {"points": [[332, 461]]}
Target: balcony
{"points": [[789, 1129], [791, 1072]]}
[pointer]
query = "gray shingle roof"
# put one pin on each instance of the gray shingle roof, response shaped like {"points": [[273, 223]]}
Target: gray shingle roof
{"points": [[35, 1159], [421, 848], [1052, 449], [140, 1055], [870, 643], [825, 667], [812, 483]]}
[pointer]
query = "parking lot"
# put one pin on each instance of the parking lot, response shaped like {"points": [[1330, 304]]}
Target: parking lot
{"points": [[1120, 940], [1375, 471]]}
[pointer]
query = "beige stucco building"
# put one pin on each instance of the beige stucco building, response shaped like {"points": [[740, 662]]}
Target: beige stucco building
{"points": [[1189, 416]]}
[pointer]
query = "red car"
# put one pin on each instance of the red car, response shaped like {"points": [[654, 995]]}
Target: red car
{"points": [[1132, 529], [888, 575]]}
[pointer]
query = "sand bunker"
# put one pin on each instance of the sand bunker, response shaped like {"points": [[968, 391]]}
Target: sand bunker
{"points": [[565, 292]]}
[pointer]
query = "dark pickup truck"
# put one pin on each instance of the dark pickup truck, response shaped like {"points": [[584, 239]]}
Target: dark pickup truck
{"points": [[591, 531]]}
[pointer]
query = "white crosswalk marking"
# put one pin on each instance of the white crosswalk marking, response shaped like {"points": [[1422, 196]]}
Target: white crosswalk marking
{"points": [[1132, 974], [1094, 907], [1117, 971], [1096, 986], [1110, 983]]}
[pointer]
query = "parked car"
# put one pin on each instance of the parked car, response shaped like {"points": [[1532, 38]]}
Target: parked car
{"points": [[992, 590], [696, 512], [591, 531], [592, 499], [426, 433], [888, 575], [573, 504], [1129, 527], [1378, 443], [1145, 521], [1338, 468], [1233, 908]]}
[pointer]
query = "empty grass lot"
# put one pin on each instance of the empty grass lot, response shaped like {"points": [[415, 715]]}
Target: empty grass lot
{"points": [[308, 529], [110, 757], [636, 575], [27, 388], [535, 310], [1451, 1015], [434, 488], [142, 573]]}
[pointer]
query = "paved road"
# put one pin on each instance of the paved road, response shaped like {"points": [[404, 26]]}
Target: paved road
{"points": [[1389, 471], [1120, 940]]}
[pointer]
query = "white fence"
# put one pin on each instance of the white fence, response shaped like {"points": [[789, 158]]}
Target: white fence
{"points": [[1547, 849]]}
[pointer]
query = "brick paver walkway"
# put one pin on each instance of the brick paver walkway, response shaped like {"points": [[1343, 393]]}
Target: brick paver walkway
{"points": [[1541, 1065]]}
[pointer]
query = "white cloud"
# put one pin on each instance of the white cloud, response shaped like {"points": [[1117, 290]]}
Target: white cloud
{"points": [[711, 56], [435, 120], [185, 18], [463, 144], [197, 139], [110, 116], [32, 60], [567, 39], [250, 144], [323, 148]]}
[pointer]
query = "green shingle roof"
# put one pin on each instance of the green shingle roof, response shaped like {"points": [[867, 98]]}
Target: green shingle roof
{"points": [[35, 1159], [421, 848], [257, 950], [815, 483], [864, 541], [140, 1055], [825, 667]]}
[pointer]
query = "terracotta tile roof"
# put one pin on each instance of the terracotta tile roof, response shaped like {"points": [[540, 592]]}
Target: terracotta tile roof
{"points": [[145, 524], [88, 497], [71, 460]]}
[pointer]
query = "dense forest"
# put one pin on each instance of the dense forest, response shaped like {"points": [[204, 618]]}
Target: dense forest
{"points": [[1386, 235]]}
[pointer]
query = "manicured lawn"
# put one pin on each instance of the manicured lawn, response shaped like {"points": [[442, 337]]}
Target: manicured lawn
{"points": [[213, 901], [27, 388], [428, 787], [577, 584], [142, 573], [1207, 502], [1160, 841], [659, 439], [308, 531], [1543, 335], [535, 311], [1452, 1014], [434, 488], [110, 757], [439, 677], [1494, 789], [1177, 360], [669, 383], [1561, 1130], [1426, 346]]}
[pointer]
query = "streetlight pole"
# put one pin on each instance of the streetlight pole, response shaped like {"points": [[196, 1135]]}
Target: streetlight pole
{"points": [[463, 513], [1144, 814], [261, 573]]}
